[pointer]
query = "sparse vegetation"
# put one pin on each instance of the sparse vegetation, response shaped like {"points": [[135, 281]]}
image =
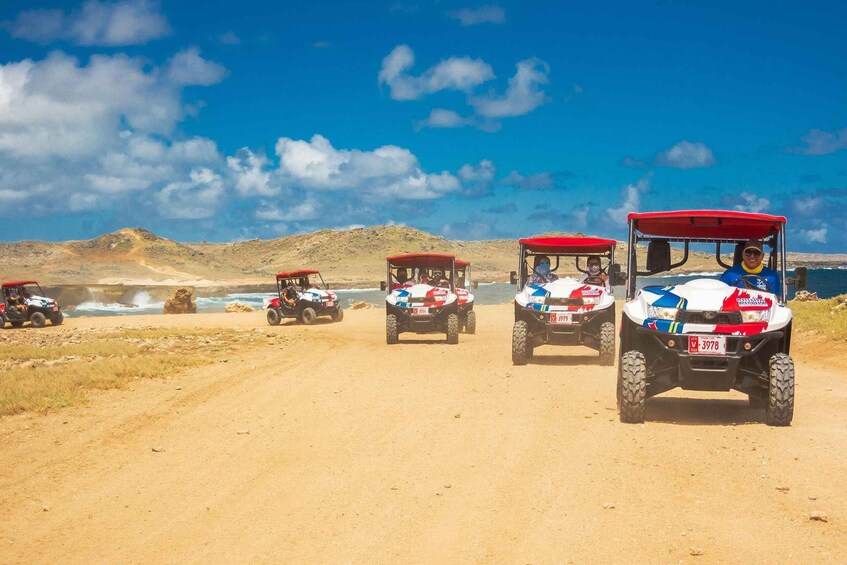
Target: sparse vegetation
{"points": [[824, 317], [47, 372]]}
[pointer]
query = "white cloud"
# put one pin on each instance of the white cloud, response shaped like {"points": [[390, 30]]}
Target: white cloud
{"points": [[196, 198], [488, 14], [297, 211], [580, 217], [752, 203], [441, 118], [808, 206], [522, 96], [188, 68], [483, 172], [814, 236], [529, 182], [630, 201], [819, 142], [686, 155], [229, 38], [251, 178], [128, 22], [455, 73]]}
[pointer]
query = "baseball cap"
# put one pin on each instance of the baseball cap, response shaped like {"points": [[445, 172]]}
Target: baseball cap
{"points": [[753, 244]]}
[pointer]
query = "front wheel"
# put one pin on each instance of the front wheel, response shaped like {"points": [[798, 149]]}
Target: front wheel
{"points": [[338, 315], [308, 316], [632, 387], [607, 344], [520, 347], [470, 323], [37, 320], [780, 408], [453, 329], [391, 334], [57, 319], [273, 317]]}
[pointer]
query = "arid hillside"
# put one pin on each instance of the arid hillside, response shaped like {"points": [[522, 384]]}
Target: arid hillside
{"points": [[352, 257]]}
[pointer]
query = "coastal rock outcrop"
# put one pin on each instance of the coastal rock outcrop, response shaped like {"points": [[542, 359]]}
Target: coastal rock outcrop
{"points": [[181, 303], [239, 307]]}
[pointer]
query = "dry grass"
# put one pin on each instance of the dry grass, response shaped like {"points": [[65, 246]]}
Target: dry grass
{"points": [[43, 373], [821, 317]]}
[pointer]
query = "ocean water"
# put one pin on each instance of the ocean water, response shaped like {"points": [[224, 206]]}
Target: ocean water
{"points": [[826, 282]]}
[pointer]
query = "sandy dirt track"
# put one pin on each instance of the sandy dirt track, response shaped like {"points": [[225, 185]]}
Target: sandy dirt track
{"points": [[336, 448]]}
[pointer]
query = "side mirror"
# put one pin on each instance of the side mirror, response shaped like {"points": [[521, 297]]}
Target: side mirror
{"points": [[382, 286], [799, 278], [475, 284], [616, 277], [513, 277]]}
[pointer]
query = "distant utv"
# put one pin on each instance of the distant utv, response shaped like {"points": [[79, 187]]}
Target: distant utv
{"points": [[24, 301]]}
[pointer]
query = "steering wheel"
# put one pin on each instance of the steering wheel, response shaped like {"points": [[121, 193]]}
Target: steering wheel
{"points": [[752, 282], [595, 280]]}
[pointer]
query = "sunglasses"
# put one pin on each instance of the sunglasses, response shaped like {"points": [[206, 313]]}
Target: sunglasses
{"points": [[752, 252]]}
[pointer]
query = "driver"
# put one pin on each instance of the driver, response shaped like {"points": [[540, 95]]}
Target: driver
{"points": [[751, 273], [595, 274], [290, 296], [541, 273], [402, 278]]}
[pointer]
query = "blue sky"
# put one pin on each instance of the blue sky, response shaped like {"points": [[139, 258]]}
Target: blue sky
{"points": [[222, 121]]}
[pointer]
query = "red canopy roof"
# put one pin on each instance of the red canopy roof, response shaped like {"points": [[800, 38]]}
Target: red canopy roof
{"points": [[17, 283], [420, 260], [722, 224], [295, 274], [462, 264], [568, 244]]}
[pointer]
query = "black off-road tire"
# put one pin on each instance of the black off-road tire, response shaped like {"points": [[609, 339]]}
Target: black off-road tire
{"points": [[37, 320], [521, 351], [453, 329], [470, 323], [632, 384], [391, 334], [308, 316], [274, 316], [780, 408], [607, 344], [57, 319], [338, 315]]}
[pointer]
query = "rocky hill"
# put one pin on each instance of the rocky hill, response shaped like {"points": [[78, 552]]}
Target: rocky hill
{"points": [[352, 257]]}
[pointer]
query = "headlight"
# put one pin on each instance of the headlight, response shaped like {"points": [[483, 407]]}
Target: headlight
{"points": [[589, 300], [537, 299], [756, 316], [439, 299], [661, 313]]}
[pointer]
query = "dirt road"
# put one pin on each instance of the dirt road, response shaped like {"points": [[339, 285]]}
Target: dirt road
{"points": [[337, 448]]}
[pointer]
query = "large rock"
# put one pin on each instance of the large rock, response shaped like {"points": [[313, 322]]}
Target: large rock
{"points": [[359, 305], [806, 296], [181, 303], [239, 307]]}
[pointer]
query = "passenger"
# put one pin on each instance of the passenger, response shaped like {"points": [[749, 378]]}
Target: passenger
{"points": [[423, 277], [541, 273], [438, 279], [595, 274], [751, 272]]}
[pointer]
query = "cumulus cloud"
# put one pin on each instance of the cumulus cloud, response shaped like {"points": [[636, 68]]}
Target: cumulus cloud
{"points": [[192, 199], [189, 68], [455, 73], [128, 22], [749, 202], [686, 155], [522, 96], [441, 118], [488, 14], [807, 206], [250, 174], [819, 142], [538, 181], [814, 235], [630, 201]]}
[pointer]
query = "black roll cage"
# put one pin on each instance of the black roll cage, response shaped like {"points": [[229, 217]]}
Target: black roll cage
{"points": [[524, 269]]}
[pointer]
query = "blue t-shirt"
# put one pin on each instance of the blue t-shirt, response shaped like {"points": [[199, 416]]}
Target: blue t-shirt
{"points": [[733, 276]]}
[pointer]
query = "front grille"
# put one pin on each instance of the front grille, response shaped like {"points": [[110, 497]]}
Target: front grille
{"points": [[418, 300], [694, 317], [709, 363], [563, 301]]}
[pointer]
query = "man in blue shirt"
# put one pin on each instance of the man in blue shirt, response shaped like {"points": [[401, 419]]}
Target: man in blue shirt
{"points": [[751, 273]]}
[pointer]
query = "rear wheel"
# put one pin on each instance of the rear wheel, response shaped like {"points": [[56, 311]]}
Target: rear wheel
{"points": [[338, 315], [57, 319], [470, 323], [274, 316], [780, 408], [632, 387], [37, 320], [308, 316], [453, 329], [607, 344], [520, 349], [391, 335]]}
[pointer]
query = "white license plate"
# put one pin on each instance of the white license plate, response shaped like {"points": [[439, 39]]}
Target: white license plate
{"points": [[561, 318], [330, 303], [707, 345], [420, 311]]}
